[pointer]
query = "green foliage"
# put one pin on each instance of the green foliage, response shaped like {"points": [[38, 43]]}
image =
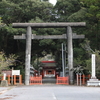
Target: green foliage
{"points": [[23, 11], [97, 53], [5, 61], [0, 20], [89, 52], [78, 69], [88, 64], [63, 9], [78, 16], [41, 11], [93, 22]]}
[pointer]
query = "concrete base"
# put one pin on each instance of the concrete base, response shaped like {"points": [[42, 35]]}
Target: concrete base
{"points": [[4, 83], [93, 82]]}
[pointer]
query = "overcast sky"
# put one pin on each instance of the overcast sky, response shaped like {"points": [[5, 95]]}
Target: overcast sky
{"points": [[53, 1]]}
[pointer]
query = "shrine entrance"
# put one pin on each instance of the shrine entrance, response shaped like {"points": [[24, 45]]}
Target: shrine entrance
{"points": [[48, 72], [48, 68], [29, 36]]}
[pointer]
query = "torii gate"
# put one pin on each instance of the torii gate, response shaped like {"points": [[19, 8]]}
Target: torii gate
{"points": [[30, 36]]}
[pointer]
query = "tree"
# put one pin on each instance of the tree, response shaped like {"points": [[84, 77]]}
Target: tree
{"points": [[93, 22], [64, 8], [21, 11], [24, 10], [5, 61], [42, 11], [89, 52]]}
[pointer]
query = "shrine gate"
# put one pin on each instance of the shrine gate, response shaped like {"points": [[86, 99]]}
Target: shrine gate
{"points": [[29, 36]]}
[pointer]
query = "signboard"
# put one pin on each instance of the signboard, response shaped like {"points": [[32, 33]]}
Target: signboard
{"points": [[15, 72]]}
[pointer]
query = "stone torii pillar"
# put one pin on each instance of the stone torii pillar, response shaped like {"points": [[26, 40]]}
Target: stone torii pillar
{"points": [[29, 36], [28, 55], [70, 53]]}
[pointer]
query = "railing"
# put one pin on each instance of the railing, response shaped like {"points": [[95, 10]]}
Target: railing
{"points": [[36, 80], [1, 78], [82, 79], [16, 79], [62, 80]]}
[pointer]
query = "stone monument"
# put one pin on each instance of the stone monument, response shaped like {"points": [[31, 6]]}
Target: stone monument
{"points": [[93, 81]]}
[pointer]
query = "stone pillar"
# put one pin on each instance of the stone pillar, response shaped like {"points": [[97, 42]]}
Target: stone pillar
{"points": [[93, 81], [70, 54], [93, 67], [28, 55]]}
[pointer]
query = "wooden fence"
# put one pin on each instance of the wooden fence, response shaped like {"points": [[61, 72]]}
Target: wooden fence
{"points": [[16, 79], [83, 79], [1, 78], [36, 80], [62, 80]]}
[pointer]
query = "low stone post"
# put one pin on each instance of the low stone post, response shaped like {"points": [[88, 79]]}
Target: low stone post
{"points": [[4, 82]]}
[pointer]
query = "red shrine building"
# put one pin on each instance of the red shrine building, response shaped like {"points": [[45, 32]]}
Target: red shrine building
{"points": [[48, 69]]}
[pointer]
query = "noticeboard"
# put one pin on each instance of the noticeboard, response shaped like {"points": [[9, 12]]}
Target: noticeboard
{"points": [[15, 72]]}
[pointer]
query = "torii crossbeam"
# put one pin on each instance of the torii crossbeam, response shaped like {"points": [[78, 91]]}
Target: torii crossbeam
{"points": [[69, 36], [63, 36]]}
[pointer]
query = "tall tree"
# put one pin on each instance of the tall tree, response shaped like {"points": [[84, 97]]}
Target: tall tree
{"points": [[93, 22], [5, 61], [64, 8], [23, 11]]}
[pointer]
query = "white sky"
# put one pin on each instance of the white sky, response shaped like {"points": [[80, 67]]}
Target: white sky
{"points": [[53, 1]]}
